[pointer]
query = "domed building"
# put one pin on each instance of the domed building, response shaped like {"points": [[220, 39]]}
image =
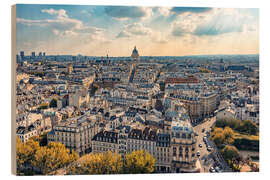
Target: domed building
{"points": [[135, 55]]}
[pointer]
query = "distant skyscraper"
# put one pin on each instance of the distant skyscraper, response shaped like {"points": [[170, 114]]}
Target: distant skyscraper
{"points": [[22, 55], [108, 60], [44, 54], [33, 55], [17, 58], [40, 54]]}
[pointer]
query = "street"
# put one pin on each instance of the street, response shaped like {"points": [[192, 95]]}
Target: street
{"points": [[205, 158]]}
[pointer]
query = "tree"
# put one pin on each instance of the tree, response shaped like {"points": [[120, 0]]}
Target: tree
{"points": [[230, 152], [231, 122], [19, 154], [43, 106], [249, 127], [25, 152], [228, 135], [41, 139], [53, 103], [139, 162], [101, 163], [218, 136], [52, 157]]}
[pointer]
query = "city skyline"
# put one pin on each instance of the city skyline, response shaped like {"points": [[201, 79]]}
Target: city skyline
{"points": [[157, 31]]}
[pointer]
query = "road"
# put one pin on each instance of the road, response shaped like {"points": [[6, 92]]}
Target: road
{"points": [[206, 159]]}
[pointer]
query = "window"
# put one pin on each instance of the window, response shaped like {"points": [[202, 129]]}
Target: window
{"points": [[174, 151]]}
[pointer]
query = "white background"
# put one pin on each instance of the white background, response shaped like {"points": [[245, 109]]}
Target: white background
{"points": [[5, 86]]}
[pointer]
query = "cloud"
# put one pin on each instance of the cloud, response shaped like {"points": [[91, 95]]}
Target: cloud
{"points": [[164, 11], [123, 34], [224, 21], [125, 12], [185, 25], [60, 13], [158, 37], [62, 25], [134, 29], [196, 10], [139, 30], [219, 21]]}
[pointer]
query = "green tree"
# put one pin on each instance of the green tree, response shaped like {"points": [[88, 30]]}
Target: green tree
{"points": [[53, 103], [231, 122], [139, 162], [249, 127], [230, 152]]}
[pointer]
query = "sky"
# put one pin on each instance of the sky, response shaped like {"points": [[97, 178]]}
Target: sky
{"points": [[155, 31]]}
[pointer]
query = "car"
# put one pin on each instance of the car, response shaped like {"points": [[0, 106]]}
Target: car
{"points": [[209, 148], [217, 169], [200, 145], [212, 170], [204, 138], [203, 130], [198, 154], [196, 134]]}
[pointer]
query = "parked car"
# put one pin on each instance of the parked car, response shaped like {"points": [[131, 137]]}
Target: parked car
{"points": [[203, 130], [209, 148], [200, 145], [204, 139], [212, 170], [196, 134], [198, 154], [217, 169]]}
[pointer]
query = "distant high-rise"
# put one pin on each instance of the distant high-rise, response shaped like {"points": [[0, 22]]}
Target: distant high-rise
{"points": [[22, 55], [108, 60], [40, 54], [33, 55], [44, 54], [17, 58]]}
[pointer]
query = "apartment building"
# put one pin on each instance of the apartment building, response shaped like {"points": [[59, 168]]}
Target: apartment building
{"points": [[142, 139], [183, 147], [105, 141], [163, 153], [75, 133]]}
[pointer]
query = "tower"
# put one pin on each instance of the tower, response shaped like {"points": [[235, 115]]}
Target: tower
{"points": [[108, 60]]}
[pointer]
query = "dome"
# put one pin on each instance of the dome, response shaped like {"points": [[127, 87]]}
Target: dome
{"points": [[135, 53]]}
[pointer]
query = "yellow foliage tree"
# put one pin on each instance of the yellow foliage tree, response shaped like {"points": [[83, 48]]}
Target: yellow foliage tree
{"points": [[25, 152], [228, 135], [101, 163], [52, 157], [139, 162]]}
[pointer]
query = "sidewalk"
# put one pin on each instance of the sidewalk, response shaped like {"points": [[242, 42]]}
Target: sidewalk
{"points": [[198, 166]]}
